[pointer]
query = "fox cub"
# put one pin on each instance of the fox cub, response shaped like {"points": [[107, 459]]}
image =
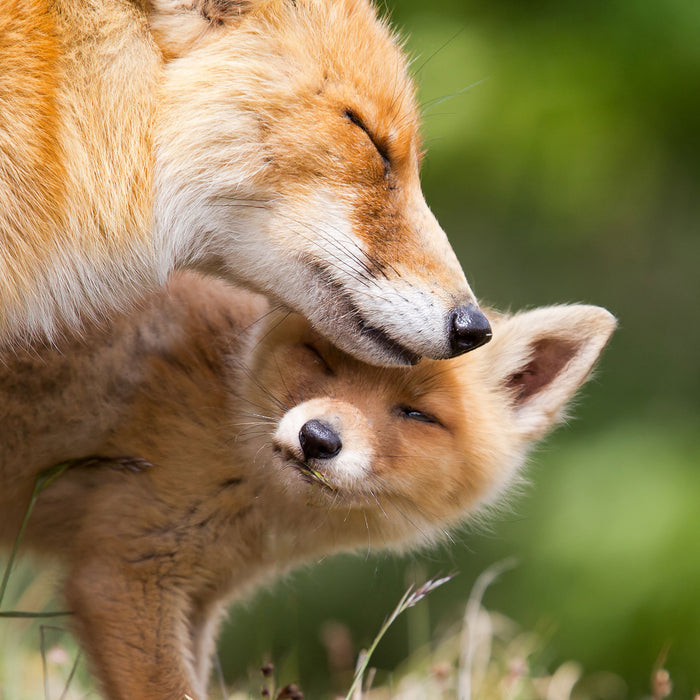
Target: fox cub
{"points": [[266, 446], [274, 143]]}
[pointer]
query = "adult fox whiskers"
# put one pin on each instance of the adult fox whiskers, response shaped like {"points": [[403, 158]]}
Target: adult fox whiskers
{"points": [[271, 142], [268, 446]]}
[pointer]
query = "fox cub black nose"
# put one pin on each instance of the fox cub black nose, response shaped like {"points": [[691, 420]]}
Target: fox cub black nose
{"points": [[318, 440], [469, 329]]}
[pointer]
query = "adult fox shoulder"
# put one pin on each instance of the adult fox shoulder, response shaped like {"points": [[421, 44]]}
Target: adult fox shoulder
{"points": [[268, 447], [271, 142]]}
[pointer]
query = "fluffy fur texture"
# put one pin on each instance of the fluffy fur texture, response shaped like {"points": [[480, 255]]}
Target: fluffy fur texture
{"points": [[222, 399], [271, 142]]}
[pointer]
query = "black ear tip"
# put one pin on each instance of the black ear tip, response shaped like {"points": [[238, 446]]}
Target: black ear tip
{"points": [[469, 329]]}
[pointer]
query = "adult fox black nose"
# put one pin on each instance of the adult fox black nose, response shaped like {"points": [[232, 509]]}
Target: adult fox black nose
{"points": [[469, 329], [318, 440]]}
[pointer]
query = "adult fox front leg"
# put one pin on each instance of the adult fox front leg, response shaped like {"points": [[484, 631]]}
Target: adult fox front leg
{"points": [[271, 142]]}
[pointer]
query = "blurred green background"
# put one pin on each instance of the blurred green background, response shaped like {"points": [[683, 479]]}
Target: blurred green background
{"points": [[568, 171]]}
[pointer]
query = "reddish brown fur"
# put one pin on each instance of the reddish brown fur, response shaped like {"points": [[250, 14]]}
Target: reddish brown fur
{"points": [[214, 399]]}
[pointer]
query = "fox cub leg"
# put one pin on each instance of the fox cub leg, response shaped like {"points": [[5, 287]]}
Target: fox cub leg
{"points": [[134, 626], [137, 571], [147, 573]]}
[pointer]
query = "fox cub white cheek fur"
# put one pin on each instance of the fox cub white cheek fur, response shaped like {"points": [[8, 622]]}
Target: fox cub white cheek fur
{"points": [[268, 447]]}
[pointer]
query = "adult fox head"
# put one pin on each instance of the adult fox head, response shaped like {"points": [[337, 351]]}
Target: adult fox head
{"points": [[297, 171]]}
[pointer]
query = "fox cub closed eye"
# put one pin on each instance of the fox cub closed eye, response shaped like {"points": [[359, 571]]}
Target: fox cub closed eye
{"points": [[319, 357]]}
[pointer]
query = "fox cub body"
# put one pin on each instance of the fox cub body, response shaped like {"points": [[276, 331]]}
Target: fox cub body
{"points": [[271, 142], [266, 445]]}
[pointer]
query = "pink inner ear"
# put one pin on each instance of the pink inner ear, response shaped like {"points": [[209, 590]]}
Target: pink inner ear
{"points": [[549, 357]]}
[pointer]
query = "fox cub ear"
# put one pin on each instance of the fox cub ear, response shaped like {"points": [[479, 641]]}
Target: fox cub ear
{"points": [[178, 24], [543, 356]]}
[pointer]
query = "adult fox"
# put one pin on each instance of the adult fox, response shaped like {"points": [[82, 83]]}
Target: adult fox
{"points": [[272, 142], [267, 447]]}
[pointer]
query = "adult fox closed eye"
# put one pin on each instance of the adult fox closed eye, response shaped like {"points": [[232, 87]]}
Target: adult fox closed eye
{"points": [[268, 447], [272, 142]]}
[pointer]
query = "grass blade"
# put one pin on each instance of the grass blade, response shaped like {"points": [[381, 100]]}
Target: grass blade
{"points": [[470, 616], [44, 479], [408, 600]]}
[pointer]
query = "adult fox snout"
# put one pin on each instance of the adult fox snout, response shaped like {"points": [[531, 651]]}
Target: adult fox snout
{"points": [[389, 288], [414, 322]]}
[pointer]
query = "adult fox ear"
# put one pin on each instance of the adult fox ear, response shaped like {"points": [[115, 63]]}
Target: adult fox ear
{"points": [[178, 24], [541, 357]]}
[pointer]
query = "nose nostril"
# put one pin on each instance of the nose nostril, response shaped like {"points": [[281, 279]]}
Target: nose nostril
{"points": [[469, 329], [318, 440]]}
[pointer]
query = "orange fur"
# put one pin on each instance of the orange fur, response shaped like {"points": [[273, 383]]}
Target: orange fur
{"points": [[220, 398], [31, 163], [270, 142]]}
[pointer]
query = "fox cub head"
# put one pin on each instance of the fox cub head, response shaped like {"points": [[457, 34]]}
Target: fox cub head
{"points": [[407, 451], [299, 172]]}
